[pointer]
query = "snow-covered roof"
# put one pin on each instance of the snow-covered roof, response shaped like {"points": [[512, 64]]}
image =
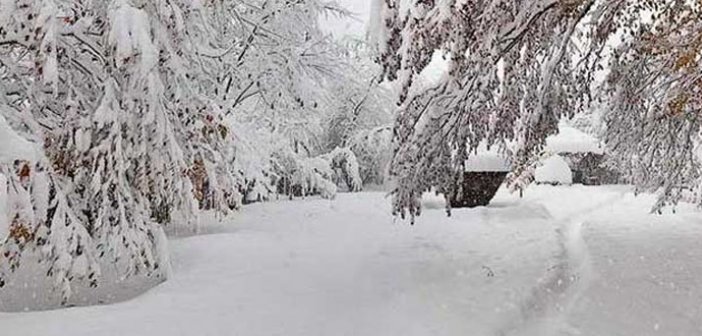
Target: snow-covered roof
{"points": [[487, 161], [572, 140], [568, 140]]}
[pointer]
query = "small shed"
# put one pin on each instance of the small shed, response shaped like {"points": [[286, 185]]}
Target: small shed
{"points": [[485, 171], [584, 154]]}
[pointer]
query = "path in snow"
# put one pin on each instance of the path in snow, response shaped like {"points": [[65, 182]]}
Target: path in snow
{"points": [[627, 272], [647, 272], [545, 310], [342, 267]]}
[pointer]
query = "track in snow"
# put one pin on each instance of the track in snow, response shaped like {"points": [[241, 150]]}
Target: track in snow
{"points": [[544, 312]]}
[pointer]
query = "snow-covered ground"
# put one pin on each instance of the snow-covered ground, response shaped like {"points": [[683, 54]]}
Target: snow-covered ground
{"points": [[561, 261]]}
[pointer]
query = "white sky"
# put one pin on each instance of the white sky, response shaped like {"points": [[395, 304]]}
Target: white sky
{"points": [[356, 27], [350, 26]]}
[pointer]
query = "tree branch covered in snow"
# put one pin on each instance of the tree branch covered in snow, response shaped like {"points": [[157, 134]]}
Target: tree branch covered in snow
{"points": [[653, 95], [516, 67], [509, 79]]}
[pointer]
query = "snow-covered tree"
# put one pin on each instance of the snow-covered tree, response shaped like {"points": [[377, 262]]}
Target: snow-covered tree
{"points": [[129, 135], [359, 102], [360, 116], [39, 213], [516, 67], [310, 93], [509, 79], [141, 115], [35, 213], [280, 68], [654, 100]]}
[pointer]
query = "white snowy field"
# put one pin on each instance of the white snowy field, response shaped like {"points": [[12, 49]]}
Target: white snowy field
{"points": [[560, 261]]}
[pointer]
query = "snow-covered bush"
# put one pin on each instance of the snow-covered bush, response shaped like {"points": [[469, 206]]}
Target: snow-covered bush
{"points": [[321, 175], [256, 187], [373, 149], [295, 176], [345, 169], [554, 170]]}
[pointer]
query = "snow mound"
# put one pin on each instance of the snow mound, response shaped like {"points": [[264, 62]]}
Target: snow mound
{"points": [[572, 140], [554, 171]]}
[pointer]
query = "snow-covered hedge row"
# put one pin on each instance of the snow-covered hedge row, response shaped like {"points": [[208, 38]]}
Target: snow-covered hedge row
{"points": [[322, 175]]}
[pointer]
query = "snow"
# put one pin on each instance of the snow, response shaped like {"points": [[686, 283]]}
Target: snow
{"points": [[487, 161], [572, 140], [12, 146], [130, 35], [366, 23], [4, 217], [554, 170], [560, 261], [7, 7], [354, 26]]}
